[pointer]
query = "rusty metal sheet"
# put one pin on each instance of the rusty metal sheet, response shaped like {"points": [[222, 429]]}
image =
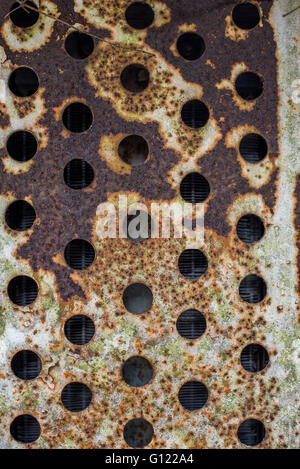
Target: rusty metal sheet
{"points": [[269, 189]]}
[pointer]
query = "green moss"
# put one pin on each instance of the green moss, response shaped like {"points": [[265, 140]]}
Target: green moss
{"points": [[2, 321], [3, 405]]}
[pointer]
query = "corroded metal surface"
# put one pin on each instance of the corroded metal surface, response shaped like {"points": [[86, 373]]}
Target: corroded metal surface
{"points": [[269, 189]]}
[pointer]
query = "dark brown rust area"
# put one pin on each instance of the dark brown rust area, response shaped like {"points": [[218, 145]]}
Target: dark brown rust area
{"points": [[297, 225], [65, 214]]}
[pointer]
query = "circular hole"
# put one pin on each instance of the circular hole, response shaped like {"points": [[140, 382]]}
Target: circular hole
{"points": [[25, 428], [254, 358], [79, 254], [135, 78], [138, 433], [26, 364], [192, 263], [191, 324], [137, 298], [137, 371], [20, 215], [194, 188], [133, 150], [76, 397], [22, 18], [252, 289], [77, 117], [193, 395], [139, 15], [138, 226], [23, 82], [21, 146], [249, 85], [250, 228], [79, 329], [195, 114], [78, 174], [190, 46], [79, 45], [22, 290], [246, 15], [251, 432], [253, 148]]}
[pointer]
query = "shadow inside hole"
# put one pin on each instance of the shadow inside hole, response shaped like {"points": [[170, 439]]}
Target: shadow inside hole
{"points": [[137, 371], [78, 174], [139, 15], [79, 254], [133, 150], [76, 397], [191, 324], [77, 117], [249, 86], [21, 145], [190, 46], [79, 329], [138, 433], [251, 432], [193, 395], [253, 148], [24, 18], [20, 215], [135, 78], [192, 263], [246, 15], [25, 428], [23, 82], [252, 289], [194, 188], [195, 114], [79, 45], [137, 298], [26, 365], [250, 228], [22, 290], [254, 358]]}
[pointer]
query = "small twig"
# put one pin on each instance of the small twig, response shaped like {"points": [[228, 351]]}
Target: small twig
{"points": [[99, 38], [292, 11]]}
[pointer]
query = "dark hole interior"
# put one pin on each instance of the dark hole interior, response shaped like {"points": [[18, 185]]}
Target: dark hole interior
{"points": [[194, 188], [138, 226], [20, 215], [77, 117], [246, 15], [192, 263], [193, 395], [138, 433], [250, 228], [249, 85], [252, 289], [191, 324], [135, 78], [139, 15], [133, 150], [76, 397], [79, 329], [195, 114], [137, 371], [190, 46], [254, 358], [79, 45], [253, 148], [22, 290], [23, 82], [26, 364], [25, 429], [79, 254], [24, 18], [21, 145], [251, 432], [78, 174], [137, 298]]}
